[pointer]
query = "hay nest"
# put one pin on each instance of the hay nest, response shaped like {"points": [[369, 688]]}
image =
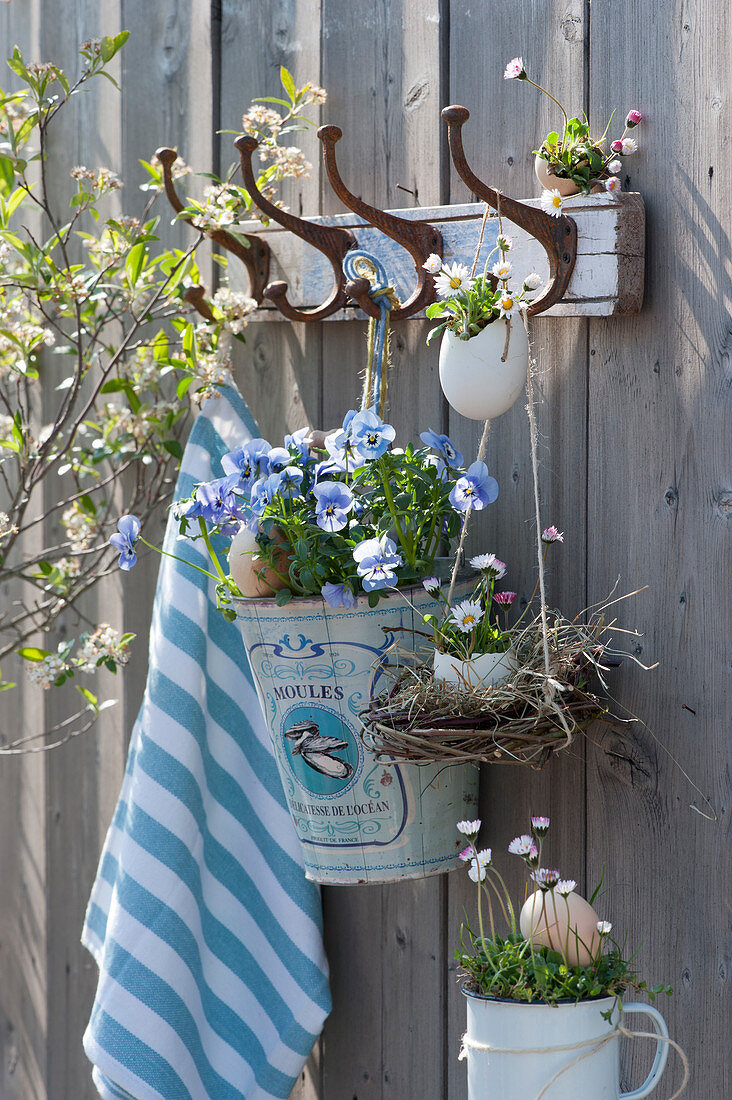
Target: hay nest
{"points": [[523, 720]]}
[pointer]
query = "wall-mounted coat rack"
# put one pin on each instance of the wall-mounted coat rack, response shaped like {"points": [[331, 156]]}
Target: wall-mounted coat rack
{"points": [[591, 258]]}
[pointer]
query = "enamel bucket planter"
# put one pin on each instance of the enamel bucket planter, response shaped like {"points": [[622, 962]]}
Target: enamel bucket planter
{"points": [[514, 1050], [358, 821], [474, 380]]}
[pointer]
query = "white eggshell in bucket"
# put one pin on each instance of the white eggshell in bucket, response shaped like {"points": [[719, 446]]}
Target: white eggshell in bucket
{"points": [[567, 925], [475, 381]]}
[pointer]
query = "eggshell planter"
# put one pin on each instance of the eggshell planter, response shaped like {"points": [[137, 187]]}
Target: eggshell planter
{"points": [[357, 820], [514, 1031], [565, 187], [548, 180], [481, 670], [475, 381]]}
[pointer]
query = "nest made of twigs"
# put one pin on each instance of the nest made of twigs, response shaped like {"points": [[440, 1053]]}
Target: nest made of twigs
{"points": [[523, 720]]}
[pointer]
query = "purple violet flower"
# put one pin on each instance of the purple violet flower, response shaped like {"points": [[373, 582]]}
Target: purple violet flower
{"points": [[370, 434], [376, 563], [123, 540], [338, 595], [444, 445], [474, 489], [334, 502]]}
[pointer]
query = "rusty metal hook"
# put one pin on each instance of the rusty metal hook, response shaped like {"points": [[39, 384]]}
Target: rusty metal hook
{"points": [[418, 237], [328, 239], [558, 236], [255, 257]]}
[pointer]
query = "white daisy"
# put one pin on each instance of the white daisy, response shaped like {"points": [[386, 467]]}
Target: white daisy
{"points": [[433, 264], [507, 304], [552, 202], [466, 615], [604, 927], [477, 868], [629, 145], [504, 243], [614, 167], [565, 887], [453, 280], [612, 184], [502, 270], [469, 828], [532, 281], [521, 845]]}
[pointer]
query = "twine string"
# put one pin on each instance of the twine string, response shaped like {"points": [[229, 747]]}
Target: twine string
{"points": [[592, 1047], [360, 263]]}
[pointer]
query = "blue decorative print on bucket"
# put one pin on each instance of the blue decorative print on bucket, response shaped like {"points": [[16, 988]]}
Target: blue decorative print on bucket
{"points": [[358, 820]]}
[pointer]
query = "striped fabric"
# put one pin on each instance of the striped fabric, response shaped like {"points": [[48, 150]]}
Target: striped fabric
{"points": [[213, 982]]}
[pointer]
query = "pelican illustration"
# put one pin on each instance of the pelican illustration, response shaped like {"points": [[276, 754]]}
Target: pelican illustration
{"points": [[317, 750]]}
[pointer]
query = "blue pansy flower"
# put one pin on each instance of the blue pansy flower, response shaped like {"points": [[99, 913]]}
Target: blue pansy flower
{"points": [[277, 459], [376, 563], [290, 481], [249, 461], [297, 442], [370, 434], [342, 453], [123, 540], [445, 446], [334, 502], [348, 418], [215, 501], [475, 489], [338, 595]]}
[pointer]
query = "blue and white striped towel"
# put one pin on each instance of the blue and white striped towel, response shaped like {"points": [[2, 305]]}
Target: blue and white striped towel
{"points": [[213, 980]]}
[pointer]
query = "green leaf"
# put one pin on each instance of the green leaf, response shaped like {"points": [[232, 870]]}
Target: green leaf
{"points": [[288, 83], [89, 696], [283, 596], [30, 653], [184, 385], [87, 505], [134, 262], [173, 447]]}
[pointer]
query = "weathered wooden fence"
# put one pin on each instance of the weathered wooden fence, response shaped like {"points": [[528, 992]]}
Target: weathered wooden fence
{"points": [[635, 449]]}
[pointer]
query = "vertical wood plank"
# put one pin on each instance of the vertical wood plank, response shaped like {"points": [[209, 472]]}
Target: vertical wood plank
{"points": [[278, 370], [381, 66], [659, 514], [86, 133], [507, 121], [23, 862]]}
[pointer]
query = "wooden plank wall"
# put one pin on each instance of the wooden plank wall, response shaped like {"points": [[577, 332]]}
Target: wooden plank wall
{"points": [[634, 445]]}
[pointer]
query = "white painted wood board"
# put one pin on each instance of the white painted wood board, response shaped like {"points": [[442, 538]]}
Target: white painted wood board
{"points": [[607, 278]]}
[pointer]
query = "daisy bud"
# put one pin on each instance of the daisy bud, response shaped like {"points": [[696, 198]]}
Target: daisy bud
{"points": [[540, 825], [617, 146], [604, 927], [433, 264], [515, 70], [504, 243], [532, 281], [551, 534], [634, 117], [615, 166], [612, 185], [469, 828]]}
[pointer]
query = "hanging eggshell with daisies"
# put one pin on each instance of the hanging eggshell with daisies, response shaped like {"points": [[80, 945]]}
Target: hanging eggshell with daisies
{"points": [[476, 380]]}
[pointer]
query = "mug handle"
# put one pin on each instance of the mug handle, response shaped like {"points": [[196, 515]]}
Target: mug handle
{"points": [[659, 1062]]}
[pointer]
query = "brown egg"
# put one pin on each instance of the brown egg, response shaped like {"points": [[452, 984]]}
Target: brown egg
{"points": [[567, 925], [250, 573]]}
